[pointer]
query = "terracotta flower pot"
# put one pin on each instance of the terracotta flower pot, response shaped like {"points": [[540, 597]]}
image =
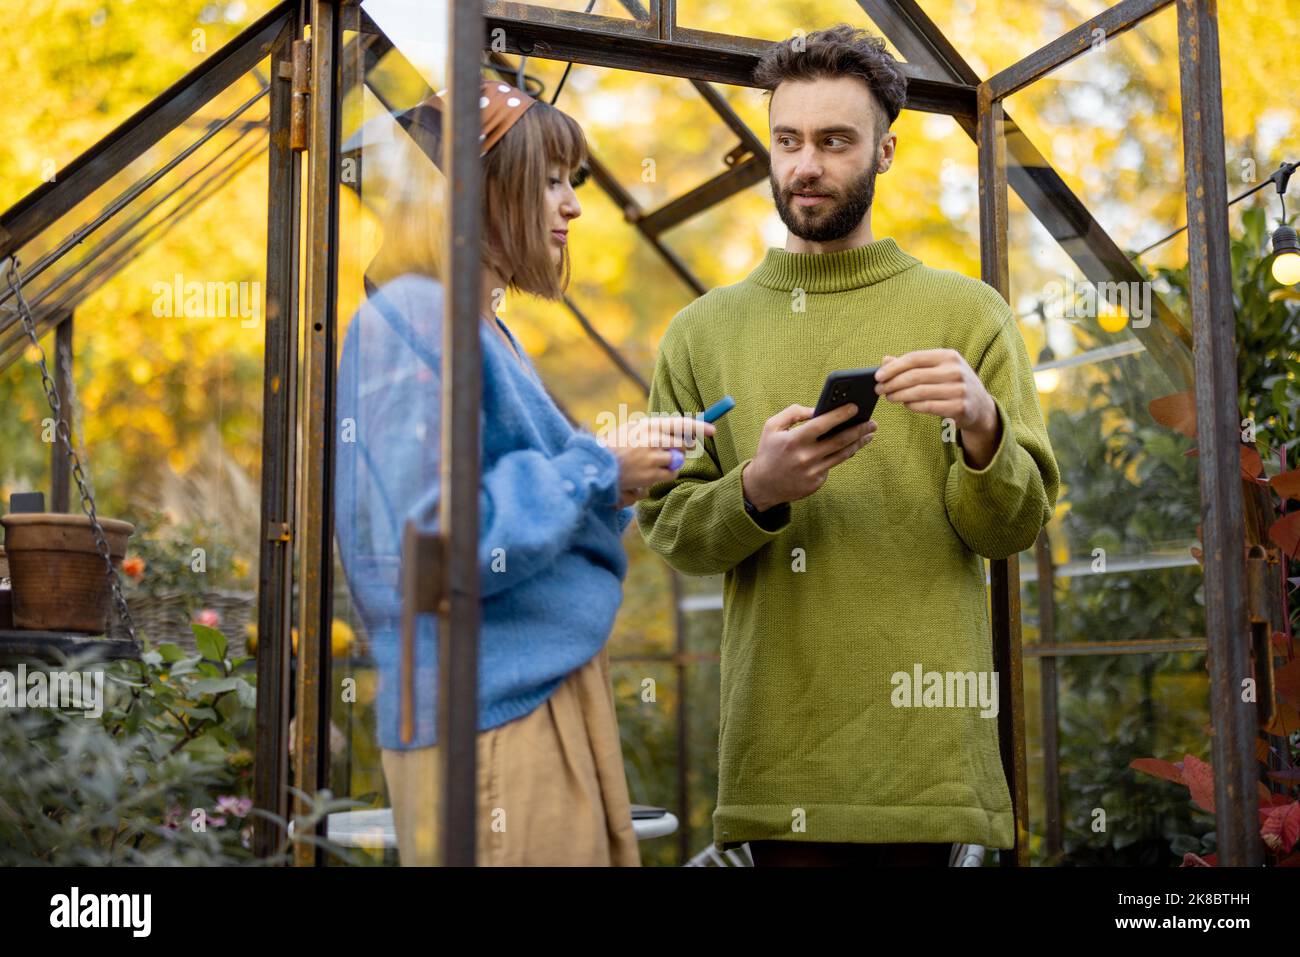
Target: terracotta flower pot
{"points": [[59, 579]]}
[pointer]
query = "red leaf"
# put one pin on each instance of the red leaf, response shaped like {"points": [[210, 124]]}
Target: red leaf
{"points": [[1282, 828], [1287, 681], [1251, 464], [1159, 769], [1276, 800], [1287, 484], [1285, 534], [1292, 861], [1200, 779], [1177, 411], [1194, 860]]}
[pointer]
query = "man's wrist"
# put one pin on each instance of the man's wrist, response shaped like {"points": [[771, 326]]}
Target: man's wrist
{"points": [[752, 494], [981, 442]]}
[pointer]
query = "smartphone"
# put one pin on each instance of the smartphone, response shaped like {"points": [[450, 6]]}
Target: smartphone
{"points": [[848, 385]]}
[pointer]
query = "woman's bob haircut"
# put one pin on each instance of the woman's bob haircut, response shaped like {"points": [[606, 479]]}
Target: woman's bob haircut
{"points": [[516, 174]]}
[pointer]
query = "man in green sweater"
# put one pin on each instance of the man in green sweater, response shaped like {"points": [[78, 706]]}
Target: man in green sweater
{"points": [[858, 713]]}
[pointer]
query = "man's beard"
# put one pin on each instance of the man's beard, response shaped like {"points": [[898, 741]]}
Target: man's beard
{"points": [[818, 224]]}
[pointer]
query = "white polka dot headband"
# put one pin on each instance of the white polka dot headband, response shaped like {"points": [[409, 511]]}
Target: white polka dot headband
{"points": [[501, 105]]}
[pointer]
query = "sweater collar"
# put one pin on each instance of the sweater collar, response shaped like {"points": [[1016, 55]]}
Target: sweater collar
{"points": [[832, 272]]}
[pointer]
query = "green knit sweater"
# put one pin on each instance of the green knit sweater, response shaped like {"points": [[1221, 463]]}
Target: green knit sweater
{"points": [[871, 583]]}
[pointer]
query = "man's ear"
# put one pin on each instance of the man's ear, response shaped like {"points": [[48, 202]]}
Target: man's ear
{"points": [[885, 152]]}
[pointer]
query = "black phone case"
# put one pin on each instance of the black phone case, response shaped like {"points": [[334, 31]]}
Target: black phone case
{"points": [[845, 386]]}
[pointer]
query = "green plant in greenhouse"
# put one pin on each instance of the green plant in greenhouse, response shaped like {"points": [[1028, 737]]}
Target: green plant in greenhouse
{"points": [[162, 776], [1133, 488], [1269, 399]]}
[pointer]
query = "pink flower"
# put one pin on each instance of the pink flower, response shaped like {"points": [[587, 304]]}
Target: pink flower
{"points": [[208, 617], [235, 807]]}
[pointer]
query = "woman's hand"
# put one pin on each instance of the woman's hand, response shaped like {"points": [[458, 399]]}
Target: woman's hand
{"points": [[645, 451]]}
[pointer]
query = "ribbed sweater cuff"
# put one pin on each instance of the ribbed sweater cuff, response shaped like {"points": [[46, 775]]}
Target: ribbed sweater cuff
{"points": [[738, 521], [998, 463]]}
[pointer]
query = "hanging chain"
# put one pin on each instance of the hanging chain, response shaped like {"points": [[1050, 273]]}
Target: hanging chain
{"points": [[62, 430]]}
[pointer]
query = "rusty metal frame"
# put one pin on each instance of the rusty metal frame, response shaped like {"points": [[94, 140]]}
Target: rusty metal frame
{"points": [[315, 515], [279, 456], [60, 461], [1218, 420]]}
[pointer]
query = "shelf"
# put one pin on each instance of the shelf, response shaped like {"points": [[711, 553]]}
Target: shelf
{"points": [[54, 646]]}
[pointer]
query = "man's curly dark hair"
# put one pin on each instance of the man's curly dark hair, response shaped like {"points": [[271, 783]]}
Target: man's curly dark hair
{"points": [[841, 50]]}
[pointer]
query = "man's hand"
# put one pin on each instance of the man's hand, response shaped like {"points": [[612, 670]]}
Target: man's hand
{"points": [[942, 383], [791, 464]]}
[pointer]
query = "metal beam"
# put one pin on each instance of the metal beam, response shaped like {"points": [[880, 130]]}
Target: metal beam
{"points": [[60, 463], [701, 56], [723, 186], [315, 516], [1218, 423], [279, 457], [1004, 573], [462, 383], [1049, 696]]}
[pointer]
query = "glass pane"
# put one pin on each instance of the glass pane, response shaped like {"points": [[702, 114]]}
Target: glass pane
{"points": [[990, 35], [1123, 541], [89, 65], [166, 413], [773, 21], [1109, 122], [389, 339]]}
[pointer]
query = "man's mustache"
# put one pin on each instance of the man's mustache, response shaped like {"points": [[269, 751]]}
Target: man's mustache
{"points": [[809, 188]]}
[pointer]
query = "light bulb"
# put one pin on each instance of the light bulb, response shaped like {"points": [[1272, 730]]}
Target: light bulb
{"points": [[1047, 380], [1286, 268], [1286, 255]]}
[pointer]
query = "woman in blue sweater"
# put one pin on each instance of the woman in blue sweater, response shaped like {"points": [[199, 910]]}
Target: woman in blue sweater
{"points": [[553, 504]]}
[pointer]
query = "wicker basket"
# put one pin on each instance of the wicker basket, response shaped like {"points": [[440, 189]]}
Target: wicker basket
{"points": [[166, 618]]}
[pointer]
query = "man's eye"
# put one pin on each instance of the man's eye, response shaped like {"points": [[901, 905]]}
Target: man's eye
{"points": [[832, 139]]}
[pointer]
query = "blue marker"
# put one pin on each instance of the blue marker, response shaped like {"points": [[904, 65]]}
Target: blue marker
{"points": [[711, 414], [718, 409]]}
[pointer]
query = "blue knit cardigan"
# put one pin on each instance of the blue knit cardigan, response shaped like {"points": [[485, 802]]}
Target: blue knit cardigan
{"points": [[551, 559]]}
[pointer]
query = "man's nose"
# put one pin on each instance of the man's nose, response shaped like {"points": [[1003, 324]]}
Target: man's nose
{"points": [[808, 167]]}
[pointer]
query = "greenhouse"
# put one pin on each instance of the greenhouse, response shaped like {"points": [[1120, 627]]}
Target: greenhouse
{"points": [[224, 516]]}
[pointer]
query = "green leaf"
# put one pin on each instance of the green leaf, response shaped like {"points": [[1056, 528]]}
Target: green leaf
{"points": [[211, 643], [246, 692], [215, 685], [171, 652]]}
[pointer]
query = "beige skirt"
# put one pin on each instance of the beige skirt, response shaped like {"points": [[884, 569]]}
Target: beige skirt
{"points": [[551, 786]]}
